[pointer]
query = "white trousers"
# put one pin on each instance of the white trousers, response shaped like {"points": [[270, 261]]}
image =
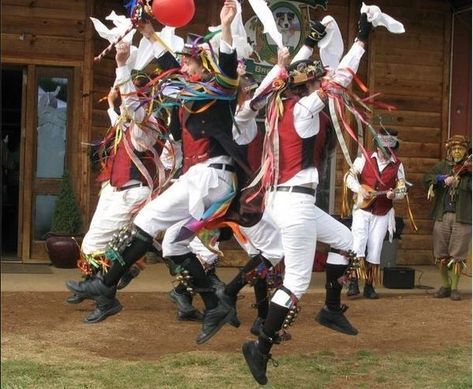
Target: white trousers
{"points": [[330, 231], [183, 199], [264, 238], [368, 234], [114, 210], [295, 215]]}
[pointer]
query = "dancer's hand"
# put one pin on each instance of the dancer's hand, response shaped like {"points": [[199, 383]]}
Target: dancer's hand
{"points": [[283, 57], [123, 53], [228, 12]]}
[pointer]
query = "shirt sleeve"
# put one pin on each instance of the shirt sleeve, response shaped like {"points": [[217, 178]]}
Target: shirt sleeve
{"points": [[306, 115], [352, 178], [351, 60], [130, 102], [245, 119], [305, 52], [113, 116]]}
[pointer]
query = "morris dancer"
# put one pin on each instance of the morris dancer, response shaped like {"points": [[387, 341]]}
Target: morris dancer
{"points": [[129, 175], [293, 183], [371, 221], [449, 185], [209, 175]]}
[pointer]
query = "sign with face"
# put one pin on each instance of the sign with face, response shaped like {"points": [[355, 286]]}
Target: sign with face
{"points": [[293, 21]]}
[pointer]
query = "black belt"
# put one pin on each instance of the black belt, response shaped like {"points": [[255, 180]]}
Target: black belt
{"points": [[223, 166], [296, 189], [137, 185]]}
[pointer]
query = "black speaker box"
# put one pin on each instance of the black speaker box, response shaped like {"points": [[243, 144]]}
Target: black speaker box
{"points": [[398, 277]]}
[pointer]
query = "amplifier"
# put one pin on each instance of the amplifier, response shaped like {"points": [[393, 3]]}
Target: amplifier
{"points": [[398, 277]]}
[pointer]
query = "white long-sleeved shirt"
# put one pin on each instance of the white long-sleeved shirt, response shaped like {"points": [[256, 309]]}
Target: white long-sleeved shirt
{"points": [[353, 182]]}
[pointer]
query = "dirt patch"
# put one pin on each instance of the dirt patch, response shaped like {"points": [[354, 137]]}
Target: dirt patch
{"points": [[147, 329]]}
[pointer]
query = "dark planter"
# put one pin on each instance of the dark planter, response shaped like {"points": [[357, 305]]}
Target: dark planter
{"points": [[63, 250]]}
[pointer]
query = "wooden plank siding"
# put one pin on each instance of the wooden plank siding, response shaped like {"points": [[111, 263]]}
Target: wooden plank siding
{"points": [[410, 70]]}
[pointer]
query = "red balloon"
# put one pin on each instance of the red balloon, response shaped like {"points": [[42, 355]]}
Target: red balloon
{"points": [[173, 13]]}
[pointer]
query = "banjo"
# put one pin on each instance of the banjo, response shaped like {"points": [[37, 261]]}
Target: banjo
{"points": [[361, 203]]}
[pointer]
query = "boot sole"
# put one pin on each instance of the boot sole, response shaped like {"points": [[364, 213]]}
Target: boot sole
{"points": [[247, 353], [334, 327], [224, 321], [106, 314]]}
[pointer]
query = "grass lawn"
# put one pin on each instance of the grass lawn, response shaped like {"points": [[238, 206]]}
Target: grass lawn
{"points": [[447, 368]]}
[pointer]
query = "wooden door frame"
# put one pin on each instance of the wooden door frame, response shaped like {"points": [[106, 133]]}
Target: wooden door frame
{"points": [[30, 250]]}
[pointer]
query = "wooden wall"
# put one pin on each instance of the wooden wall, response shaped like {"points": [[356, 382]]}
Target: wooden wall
{"points": [[410, 70]]}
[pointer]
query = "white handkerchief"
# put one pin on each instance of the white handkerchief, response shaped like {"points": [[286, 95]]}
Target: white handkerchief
{"points": [[377, 18], [331, 45]]}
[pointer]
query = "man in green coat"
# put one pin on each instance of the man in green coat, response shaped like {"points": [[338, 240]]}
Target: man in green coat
{"points": [[449, 186]]}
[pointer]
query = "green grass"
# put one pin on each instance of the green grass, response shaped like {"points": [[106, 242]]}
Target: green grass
{"points": [[449, 368]]}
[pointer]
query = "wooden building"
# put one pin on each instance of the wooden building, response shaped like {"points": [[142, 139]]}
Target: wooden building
{"points": [[47, 44]]}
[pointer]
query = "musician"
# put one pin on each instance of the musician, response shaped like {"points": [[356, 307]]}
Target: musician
{"points": [[449, 186], [383, 173]]}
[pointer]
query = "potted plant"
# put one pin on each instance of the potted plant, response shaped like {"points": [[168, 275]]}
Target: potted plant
{"points": [[62, 246]]}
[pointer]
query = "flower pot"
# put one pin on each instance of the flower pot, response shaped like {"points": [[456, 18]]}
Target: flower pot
{"points": [[63, 250]]}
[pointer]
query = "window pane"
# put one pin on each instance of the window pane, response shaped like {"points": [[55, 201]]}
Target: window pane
{"points": [[52, 124], [43, 215]]}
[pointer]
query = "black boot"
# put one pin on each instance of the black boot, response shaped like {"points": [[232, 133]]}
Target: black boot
{"points": [[214, 319], [105, 307], [92, 289], [75, 299], [185, 310], [256, 361], [257, 326], [126, 278], [353, 289], [229, 301], [369, 292], [336, 320]]}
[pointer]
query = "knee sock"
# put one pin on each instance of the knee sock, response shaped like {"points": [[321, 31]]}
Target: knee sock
{"points": [[199, 278], [237, 284], [444, 276], [261, 296], [138, 247], [333, 289], [272, 325], [455, 277]]}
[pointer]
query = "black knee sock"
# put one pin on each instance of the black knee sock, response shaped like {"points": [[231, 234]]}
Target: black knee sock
{"points": [[139, 246], [199, 278], [261, 296], [333, 289], [272, 325], [237, 284]]}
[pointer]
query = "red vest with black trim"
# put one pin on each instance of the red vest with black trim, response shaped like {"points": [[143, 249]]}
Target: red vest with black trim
{"points": [[382, 204], [197, 146], [120, 168], [295, 153]]}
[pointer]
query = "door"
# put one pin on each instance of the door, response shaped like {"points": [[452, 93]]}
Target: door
{"points": [[46, 152], [12, 124]]}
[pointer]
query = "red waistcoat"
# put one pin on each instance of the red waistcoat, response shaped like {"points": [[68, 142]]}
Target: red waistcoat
{"points": [[382, 204], [120, 168], [295, 153]]}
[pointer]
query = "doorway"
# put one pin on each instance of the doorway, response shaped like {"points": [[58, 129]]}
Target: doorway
{"points": [[12, 95]]}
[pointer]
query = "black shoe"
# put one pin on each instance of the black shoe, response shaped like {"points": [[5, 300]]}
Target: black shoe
{"points": [[257, 326], [185, 310], [104, 310], [194, 315], [230, 302], [443, 292], [353, 289], [92, 288], [256, 361], [75, 299], [336, 320], [128, 276], [216, 282], [370, 293], [214, 319]]}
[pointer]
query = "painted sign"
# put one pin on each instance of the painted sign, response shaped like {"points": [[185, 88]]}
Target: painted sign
{"points": [[293, 22]]}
